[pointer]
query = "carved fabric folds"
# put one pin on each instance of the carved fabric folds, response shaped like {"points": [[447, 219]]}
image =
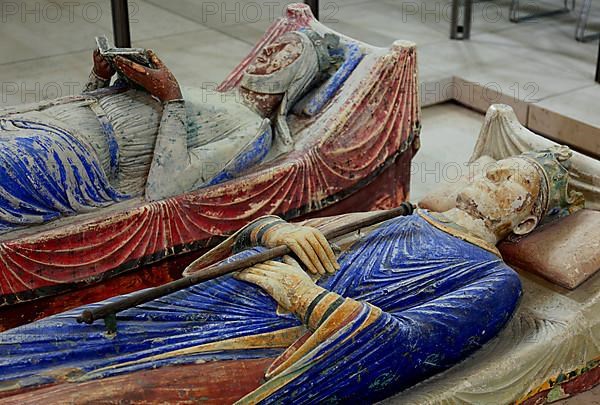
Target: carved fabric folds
{"points": [[46, 173], [442, 298]]}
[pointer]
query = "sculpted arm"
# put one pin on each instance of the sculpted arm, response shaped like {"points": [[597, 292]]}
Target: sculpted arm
{"points": [[171, 172], [307, 243], [287, 282], [347, 342], [385, 340], [294, 290], [174, 170]]}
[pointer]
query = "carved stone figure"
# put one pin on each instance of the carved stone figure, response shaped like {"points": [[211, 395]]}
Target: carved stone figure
{"points": [[354, 134], [408, 299], [503, 136], [549, 350], [75, 154]]}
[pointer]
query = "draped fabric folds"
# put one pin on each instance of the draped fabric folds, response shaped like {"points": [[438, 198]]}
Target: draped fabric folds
{"points": [[46, 173], [422, 301]]}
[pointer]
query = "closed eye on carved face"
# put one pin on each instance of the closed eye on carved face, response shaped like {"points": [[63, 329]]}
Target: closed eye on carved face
{"points": [[504, 195]]}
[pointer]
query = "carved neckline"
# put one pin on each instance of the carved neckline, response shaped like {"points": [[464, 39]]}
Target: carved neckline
{"points": [[441, 222]]}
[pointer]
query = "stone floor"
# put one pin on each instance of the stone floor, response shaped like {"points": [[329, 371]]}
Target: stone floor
{"points": [[442, 157], [537, 67]]}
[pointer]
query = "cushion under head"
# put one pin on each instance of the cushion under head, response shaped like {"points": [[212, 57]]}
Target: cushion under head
{"points": [[565, 252]]}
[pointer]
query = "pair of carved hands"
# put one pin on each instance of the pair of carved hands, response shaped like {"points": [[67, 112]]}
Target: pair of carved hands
{"points": [[157, 80], [286, 281]]}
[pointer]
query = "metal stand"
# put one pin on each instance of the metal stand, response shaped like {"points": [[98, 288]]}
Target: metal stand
{"points": [[513, 15], [120, 19], [461, 31], [314, 7], [598, 65], [582, 23]]}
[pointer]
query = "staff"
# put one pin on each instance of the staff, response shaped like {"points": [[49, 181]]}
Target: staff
{"points": [[89, 316]]}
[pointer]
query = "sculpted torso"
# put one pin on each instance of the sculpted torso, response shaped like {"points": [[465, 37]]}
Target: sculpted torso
{"points": [[403, 301], [157, 141]]}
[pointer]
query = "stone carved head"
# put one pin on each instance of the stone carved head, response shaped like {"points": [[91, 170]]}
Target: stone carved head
{"points": [[283, 72], [272, 58], [277, 55], [514, 195], [504, 197]]}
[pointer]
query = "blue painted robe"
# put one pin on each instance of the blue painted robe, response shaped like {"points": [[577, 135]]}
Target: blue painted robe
{"points": [[46, 173], [430, 299]]}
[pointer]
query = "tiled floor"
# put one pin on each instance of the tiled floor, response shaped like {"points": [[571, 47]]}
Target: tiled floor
{"points": [[45, 51]]}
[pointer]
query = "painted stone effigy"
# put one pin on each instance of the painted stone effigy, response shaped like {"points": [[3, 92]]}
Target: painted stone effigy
{"points": [[549, 350], [107, 146], [104, 147], [309, 119], [404, 300], [503, 136]]}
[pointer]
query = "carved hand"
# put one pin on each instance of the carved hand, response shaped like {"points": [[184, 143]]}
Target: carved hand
{"points": [[158, 81], [307, 243], [286, 282], [102, 68]]}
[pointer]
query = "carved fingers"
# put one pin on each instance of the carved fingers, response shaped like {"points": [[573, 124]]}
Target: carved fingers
{"points": [[133, 71], [102, 68], [156, 61], [307, 243], [323, 248], [284, 281], [157, 80]]}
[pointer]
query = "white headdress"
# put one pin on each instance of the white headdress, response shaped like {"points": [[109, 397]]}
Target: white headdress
{"points": [[293, 80]]}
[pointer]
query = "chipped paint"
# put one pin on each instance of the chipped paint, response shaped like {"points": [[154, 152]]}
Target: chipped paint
{"points": [[367, 128]]}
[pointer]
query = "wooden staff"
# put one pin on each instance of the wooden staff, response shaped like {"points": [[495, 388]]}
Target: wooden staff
{"points": [[109, 310]]}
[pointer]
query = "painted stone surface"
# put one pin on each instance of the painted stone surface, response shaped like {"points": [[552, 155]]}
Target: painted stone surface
{"points": [[549, 349], [410, 297], [571, 253], [550, 344], [360, 123], [405, 297], [502, 136]]}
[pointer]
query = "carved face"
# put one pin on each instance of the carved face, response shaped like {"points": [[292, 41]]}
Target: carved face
{"points": [[271, 58], [277, 55], [503, 196]]}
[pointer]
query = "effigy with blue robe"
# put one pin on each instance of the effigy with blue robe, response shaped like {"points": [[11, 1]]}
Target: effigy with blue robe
{"points": [[413, 297], [76, 154]]}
